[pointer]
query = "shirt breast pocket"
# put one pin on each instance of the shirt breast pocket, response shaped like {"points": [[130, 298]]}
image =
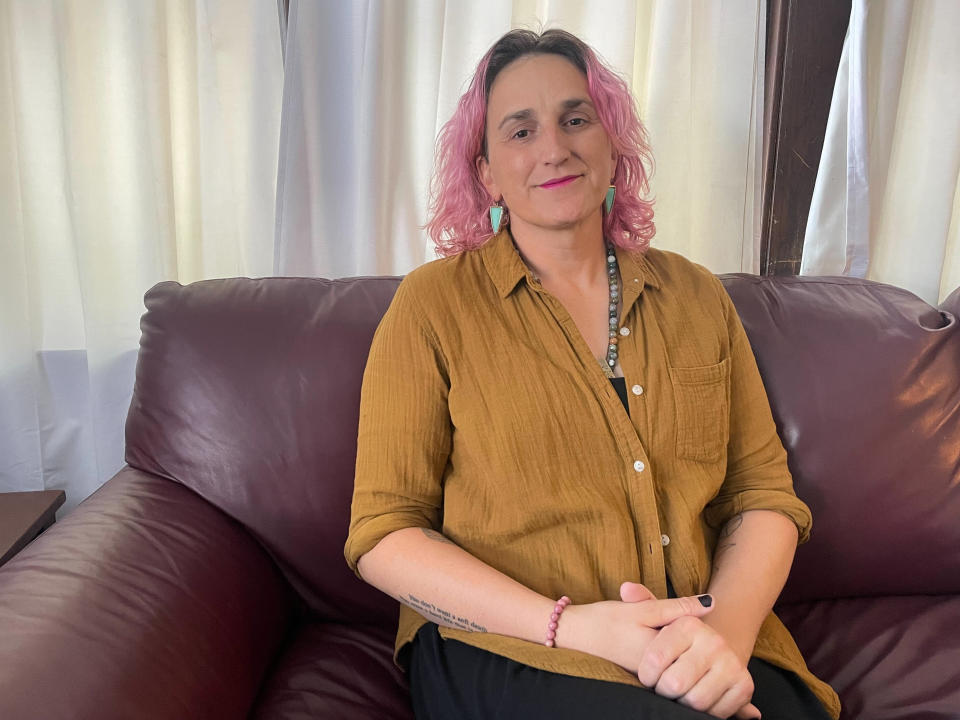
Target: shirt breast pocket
{"points": [[702, 396]]}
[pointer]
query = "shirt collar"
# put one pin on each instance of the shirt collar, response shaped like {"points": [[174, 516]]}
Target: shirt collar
{"points": [[506, 268]]}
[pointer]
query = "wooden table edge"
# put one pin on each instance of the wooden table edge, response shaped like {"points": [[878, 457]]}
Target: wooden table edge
{"points": [[44, 519]]}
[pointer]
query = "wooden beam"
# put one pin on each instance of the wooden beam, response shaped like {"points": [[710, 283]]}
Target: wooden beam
{"points": [[804, 43]]}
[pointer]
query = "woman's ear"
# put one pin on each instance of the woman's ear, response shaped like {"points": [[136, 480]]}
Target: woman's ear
{"points": [[486, 177]]}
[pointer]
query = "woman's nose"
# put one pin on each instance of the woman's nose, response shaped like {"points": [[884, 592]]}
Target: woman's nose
{"points": [[555, 148]]}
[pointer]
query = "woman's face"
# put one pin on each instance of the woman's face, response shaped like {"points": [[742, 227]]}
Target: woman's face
{"points": [[549, 158]]}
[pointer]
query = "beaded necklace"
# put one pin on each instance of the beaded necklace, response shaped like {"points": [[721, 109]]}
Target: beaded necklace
{"points": [[612, 279], [613, 273]]}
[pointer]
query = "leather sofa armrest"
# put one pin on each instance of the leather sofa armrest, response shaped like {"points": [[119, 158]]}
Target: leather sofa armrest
{"points": [[145, 602]]}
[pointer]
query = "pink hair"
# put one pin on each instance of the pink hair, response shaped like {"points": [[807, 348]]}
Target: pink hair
{"points": [[459, 203]]}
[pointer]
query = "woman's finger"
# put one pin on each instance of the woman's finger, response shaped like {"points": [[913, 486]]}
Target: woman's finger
{"points": [[635, 592], [735, 703], [693, 672], [718, 693], [657, 613], [668, 645]]}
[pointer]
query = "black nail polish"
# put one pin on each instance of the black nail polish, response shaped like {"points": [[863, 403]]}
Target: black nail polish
{"points": [[705, 600]]}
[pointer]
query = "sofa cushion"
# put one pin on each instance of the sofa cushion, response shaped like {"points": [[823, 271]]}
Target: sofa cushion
{"points": [[864, 383], [248, 392], [334, 671], [892, 658]]}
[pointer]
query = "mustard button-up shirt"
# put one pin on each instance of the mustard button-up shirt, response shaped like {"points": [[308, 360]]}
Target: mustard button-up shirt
{"points": [[484, 415]]}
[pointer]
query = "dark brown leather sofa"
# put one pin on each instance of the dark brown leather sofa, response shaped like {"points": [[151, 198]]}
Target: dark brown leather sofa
{"points": [[206, 579]]}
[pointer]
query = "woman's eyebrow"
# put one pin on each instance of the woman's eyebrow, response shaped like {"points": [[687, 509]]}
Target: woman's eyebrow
{"points": [[573, 103], [519, 115], [526, 114]]}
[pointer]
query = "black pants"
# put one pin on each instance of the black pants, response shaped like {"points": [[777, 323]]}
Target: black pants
{"points": [[450, 680]]}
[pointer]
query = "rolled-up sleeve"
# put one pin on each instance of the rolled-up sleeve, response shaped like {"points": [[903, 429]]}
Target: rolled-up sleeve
{"points": [[404, 433], [757, 476]]}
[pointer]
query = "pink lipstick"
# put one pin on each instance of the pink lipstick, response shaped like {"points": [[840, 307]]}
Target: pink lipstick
{"points": [[559, 182]]}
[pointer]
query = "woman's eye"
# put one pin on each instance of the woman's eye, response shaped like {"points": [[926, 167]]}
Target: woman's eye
{"points": [[521, 134], [576, 122]]}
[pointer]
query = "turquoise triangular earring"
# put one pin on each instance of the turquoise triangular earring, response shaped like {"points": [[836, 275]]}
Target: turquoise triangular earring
{"points": [[496, 217], [608, 200]]}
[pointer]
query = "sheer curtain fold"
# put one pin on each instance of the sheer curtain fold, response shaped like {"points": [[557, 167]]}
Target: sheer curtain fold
{"points": [[885, 204], [138, 143], [354, 173], [702, 99]]}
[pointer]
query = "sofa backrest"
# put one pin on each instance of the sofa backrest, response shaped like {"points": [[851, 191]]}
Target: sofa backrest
{"points": [[247, 392], [864, 382]]}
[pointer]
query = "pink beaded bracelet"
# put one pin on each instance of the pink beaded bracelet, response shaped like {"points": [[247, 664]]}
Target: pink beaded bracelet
{"points": [[555, 620]]}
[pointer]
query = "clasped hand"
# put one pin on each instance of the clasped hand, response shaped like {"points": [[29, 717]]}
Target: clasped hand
{"points": [[672, 650]]}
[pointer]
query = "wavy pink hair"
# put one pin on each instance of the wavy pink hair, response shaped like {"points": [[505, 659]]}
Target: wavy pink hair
{"points": [[459, 203]]}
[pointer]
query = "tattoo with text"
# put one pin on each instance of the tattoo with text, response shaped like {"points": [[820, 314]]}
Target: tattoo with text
{"points": [[438, 614], [441, 616]]}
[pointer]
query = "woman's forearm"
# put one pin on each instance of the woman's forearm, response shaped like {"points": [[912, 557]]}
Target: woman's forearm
{"points": [[426, 571], [750, 566], [429, 573]]}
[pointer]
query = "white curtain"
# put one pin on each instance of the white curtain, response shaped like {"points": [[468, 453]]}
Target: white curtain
{"points": [[138, 143], [887, 199], [369, 83]]}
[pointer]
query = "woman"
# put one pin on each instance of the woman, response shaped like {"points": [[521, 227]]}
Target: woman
{"points": [[560, 426]]}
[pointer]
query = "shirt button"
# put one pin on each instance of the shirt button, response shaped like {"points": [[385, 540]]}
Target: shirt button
{"points": [[664, 540], [624, 331], [639, 466], [637, 390]]}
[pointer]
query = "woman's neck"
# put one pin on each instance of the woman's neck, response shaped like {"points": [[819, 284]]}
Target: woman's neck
{"points": [[573, 257]]}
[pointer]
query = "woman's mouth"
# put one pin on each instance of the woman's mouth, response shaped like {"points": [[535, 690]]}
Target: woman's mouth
{"points": [[558, 182]]}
